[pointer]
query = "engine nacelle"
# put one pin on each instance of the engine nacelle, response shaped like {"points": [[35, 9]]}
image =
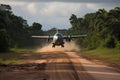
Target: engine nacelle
{"points": [[69, 38], [48, 38]]}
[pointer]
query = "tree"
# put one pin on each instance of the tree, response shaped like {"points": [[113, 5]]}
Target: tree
{"points": [[73, 19], [102, 28], [17, 28], [4, 40], [5, 7], [36, 26]]}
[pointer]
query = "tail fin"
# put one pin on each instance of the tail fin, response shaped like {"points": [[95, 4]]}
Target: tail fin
{"points": [[57, 30]]}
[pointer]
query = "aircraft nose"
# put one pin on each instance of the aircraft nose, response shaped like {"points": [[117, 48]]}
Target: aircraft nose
{"points": [[56, 37]]}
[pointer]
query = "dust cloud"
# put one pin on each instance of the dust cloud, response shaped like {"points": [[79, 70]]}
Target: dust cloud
{"points": [[68, 46]]}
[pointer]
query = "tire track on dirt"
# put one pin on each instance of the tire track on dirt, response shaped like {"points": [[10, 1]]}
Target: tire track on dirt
{"points": [[81, 73], [63, 67]]}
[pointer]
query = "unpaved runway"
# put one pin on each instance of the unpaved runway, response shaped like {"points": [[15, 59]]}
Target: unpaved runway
{"points": [[57, 66], [62, 67]]}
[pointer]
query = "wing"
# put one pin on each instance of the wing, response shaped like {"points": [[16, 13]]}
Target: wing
{"points": [[74, 36], [43, 37]]}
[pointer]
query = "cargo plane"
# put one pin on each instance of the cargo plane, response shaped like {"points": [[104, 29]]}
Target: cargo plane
{"points": [[58, 38]]}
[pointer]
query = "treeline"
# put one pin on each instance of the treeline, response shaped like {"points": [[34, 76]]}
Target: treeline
{"points": [[14, 30], [102, 28]]}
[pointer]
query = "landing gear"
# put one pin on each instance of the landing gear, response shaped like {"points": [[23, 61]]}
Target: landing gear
{"points": [[53, 46], [62, 45]]}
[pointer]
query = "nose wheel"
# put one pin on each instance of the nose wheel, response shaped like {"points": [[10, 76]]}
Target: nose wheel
{"points": [[62, 45], [53, 46]]}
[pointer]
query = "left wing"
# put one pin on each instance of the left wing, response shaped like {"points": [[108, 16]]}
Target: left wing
{"points": [[43, 37]]}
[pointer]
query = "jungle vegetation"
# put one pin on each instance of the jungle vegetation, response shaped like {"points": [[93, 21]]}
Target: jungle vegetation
{"points": [[14, 30], [102, 28]]}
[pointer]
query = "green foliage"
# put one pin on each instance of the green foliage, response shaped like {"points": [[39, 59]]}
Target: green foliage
{"points": [[5, 7], [14, 56], [35, 29], [22, 50], [36, 26], [102, 28], [18, 29], [110, 42], [104, 54], [4, 40], [118, 45]]}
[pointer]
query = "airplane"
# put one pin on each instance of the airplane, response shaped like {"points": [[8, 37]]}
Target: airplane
{"points": [[58, 38]]}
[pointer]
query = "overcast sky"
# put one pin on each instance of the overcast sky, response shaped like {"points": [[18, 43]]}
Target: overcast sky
{"points": [[56, 13]]}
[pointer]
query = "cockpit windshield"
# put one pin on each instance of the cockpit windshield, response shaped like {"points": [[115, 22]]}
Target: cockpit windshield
{"points": [[58, 34]]}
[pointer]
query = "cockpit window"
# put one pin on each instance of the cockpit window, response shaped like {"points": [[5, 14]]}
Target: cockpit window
{"points": [[58, 34]]}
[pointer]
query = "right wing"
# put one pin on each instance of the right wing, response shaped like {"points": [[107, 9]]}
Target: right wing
{"points": [[74, 36], [43, 37]]}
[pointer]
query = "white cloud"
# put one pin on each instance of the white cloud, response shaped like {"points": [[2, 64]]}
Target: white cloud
{"points": [[59, 9], [54, 14], [32, 8], [102, 5], [77, 1], [13, 3]]}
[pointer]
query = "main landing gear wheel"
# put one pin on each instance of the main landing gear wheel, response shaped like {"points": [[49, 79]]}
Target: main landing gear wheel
{"points": [[53, 46], [62, 45]]}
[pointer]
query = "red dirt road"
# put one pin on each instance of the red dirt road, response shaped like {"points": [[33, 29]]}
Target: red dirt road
{"points": [[57, 66]]}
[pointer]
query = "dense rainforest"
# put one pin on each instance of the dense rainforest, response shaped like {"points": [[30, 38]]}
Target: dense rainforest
{"points": [[102, 28], [14, 30]]}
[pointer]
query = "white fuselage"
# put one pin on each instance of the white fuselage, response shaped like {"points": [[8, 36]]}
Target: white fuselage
{"points": [[58, 40]]}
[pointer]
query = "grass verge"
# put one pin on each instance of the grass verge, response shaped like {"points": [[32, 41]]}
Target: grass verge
{"points": [[12, 57], [22, 50], [111, 56]]}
